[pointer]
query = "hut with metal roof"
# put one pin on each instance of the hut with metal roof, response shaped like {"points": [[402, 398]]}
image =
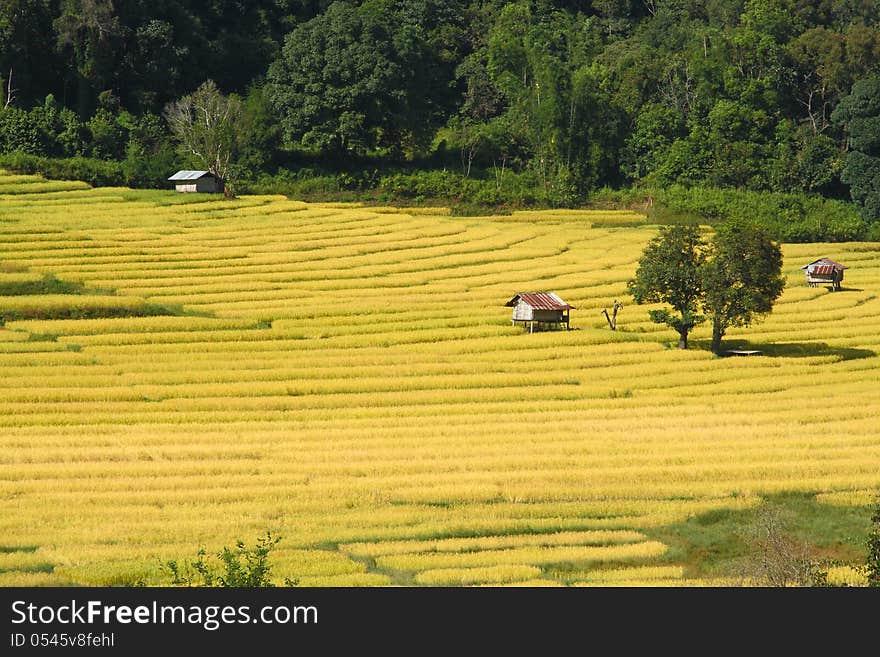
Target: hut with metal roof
{"points": [[196, 181], [541, 308], [824, 271]]}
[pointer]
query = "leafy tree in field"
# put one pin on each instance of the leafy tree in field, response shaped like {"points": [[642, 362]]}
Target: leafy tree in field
{"points": [[742, 279], [859, 113], [733, 280], [671, 271], [208, 125]]}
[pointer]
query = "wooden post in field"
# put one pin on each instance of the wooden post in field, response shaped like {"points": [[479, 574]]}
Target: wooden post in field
{"points": [[612, 320]]}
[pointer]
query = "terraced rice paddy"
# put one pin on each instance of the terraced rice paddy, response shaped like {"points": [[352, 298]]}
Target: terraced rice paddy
{"points": [[349, 379]]}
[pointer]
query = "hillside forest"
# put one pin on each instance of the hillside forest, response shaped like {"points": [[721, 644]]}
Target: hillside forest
{"points": [[712, 106]]}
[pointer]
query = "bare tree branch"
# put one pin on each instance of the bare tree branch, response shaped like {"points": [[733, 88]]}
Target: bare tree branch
{"points": [[207, 125], [10, 91]]}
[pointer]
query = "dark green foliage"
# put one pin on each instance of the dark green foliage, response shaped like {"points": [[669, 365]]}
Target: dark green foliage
{"points": [[742, 279], [788, 217], [670, 272], [236, 567], [733, 280], [482, 192], [49, 284], [859, 113], [89, 311], [566, 97], [94, 172], [872, 564], [360, 78]]}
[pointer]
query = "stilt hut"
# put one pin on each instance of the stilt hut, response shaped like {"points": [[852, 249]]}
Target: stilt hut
{"points": [[541, 308], [196, 181], [824, 271]]}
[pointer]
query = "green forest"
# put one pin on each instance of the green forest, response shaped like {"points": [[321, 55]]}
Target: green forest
{"points": [[714, 109]]}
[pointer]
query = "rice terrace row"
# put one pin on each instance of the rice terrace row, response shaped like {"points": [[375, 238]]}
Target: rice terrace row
{"points": [[179, 371]]}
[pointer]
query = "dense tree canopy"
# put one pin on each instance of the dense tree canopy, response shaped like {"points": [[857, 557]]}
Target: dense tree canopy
{"points": [[742, 278], [734, 278], [859, 113], [360, 78], [727, 93], [670, 271]]}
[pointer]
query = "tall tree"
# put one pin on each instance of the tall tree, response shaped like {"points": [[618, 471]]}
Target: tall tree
{"points": [[90, 30], [859, 114], [25, 29], [742, 279], [671, 271], [207, 125], [357, 78]]}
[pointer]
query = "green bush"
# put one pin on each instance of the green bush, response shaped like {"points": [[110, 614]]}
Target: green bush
{"points": [[872, 565], [237, 567], [48, 284], [19, 132], [92, 171], [795, 217]]}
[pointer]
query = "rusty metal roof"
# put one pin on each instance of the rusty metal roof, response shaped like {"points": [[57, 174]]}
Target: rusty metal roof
{"points": [[540, 301], [822, 270], [822, 263]]}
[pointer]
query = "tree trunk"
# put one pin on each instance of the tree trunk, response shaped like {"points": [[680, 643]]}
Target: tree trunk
{"points": [[717, 334], [683, 339], [612, 319]]}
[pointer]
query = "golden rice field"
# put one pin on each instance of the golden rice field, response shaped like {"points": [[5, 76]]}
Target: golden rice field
{"points": [[348, 378]]}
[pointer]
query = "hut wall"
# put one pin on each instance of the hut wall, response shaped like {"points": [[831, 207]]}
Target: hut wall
{"points": [[523, 312], [548, 315], [207, 184]]}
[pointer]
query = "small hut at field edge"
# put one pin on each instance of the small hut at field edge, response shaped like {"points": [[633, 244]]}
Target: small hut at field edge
{"points": [[824, 271], [541, 308], [196, 181]]}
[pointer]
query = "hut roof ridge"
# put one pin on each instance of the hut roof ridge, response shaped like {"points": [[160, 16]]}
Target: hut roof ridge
{"points": [[825, 262], [541, 301], [185, 174]]}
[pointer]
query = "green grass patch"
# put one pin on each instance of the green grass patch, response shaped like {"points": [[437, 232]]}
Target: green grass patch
{"points": [[73, 306], [47, 284], [9, 549], [712, 544]]}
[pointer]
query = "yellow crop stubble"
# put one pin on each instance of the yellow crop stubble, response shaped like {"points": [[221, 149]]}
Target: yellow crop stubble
{"points": [[348, 377]]}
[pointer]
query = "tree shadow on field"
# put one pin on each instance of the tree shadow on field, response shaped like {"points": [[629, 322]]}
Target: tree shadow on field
{"points": [[797, 349], [713, 543]]}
